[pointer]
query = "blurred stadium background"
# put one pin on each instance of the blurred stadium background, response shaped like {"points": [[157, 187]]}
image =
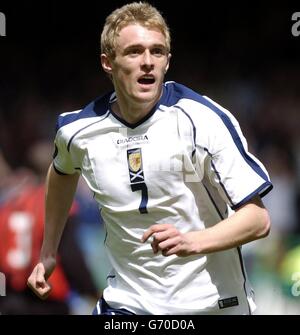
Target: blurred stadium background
{"points": [[242, 56]]}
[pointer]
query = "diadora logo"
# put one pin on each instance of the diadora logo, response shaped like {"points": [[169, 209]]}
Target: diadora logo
{"points": [[130, 139], [2, 24]]}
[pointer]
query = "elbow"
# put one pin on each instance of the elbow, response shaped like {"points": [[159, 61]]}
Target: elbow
{"points": [[264, 224]]}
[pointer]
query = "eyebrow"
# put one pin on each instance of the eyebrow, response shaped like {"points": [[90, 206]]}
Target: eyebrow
{"points": [[157, 45]]}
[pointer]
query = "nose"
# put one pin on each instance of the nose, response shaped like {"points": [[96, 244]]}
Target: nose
{"points": [[147, 61]]}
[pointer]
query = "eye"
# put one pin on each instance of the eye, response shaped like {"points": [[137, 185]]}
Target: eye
{"points": [[133, 52], [158, 52]]}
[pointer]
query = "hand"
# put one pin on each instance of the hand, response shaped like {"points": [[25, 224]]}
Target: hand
{"points": [[37, 281], [170, 241]]}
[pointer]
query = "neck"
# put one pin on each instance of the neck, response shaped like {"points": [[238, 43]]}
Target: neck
{"points": [[132, 111]]}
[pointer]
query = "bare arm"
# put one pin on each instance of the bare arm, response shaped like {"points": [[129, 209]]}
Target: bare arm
{"points": [[60, 190], [248, 223]]}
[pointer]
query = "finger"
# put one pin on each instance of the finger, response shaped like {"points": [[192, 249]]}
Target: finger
{"points": [[43, 292], [156, 240], [175, 250], [37, 282], [155, 229], [31, 281], [166, 253], [40, 275], [154, 247], [166, 234], [169, 244], [152, 230], [147, 234]]}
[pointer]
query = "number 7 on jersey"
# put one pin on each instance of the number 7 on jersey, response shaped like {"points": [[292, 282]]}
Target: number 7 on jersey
{"points": [[136, 176]]}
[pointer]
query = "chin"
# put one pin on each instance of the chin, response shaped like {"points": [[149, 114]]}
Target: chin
{"points": [[149, 95], [146, 97]]}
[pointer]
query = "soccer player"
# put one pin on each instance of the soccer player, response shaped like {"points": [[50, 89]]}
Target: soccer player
{"points": [[170, 169]]}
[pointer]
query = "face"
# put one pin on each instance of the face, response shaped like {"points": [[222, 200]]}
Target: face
{"points": [[140, 64]]}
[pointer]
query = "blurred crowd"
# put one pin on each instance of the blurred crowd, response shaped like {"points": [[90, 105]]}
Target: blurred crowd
{"points": [[75, 284], [40, 84]]}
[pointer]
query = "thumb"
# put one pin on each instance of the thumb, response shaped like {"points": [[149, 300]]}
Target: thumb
{"points": [[40, 275], [37, 282]]}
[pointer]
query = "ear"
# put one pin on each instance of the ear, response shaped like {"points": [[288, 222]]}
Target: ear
{"points": [[168, 63], [106, 64]]}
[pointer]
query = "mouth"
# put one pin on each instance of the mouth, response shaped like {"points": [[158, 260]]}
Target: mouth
{"points": [[146, 80]]}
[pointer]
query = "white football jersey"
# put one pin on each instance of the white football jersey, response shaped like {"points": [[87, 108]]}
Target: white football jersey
{"points": [[185, 163]]}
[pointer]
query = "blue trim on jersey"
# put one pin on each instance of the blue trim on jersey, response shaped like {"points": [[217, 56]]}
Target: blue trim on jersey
{"points": [[134, 125], [99, 107], [265, 187], [175, 92], [55, 151], [96, 108], [220, 181], [78, 131], [194, 128], [214, 203], [146, 117], [244, 275], [262, 190], [57, 171], [267, 190], [219, 177]]}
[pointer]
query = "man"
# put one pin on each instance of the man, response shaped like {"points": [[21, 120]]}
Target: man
{"points": [[169, 168]]}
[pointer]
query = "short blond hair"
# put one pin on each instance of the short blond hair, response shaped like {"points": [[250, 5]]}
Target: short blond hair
{"points": [[135, 12]]}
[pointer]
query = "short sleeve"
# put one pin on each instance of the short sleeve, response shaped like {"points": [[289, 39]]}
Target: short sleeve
{"points": [[236, 173], [62, 160]]}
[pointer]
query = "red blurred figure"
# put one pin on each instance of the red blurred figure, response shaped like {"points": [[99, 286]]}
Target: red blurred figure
{"points": [[21, 229]]}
